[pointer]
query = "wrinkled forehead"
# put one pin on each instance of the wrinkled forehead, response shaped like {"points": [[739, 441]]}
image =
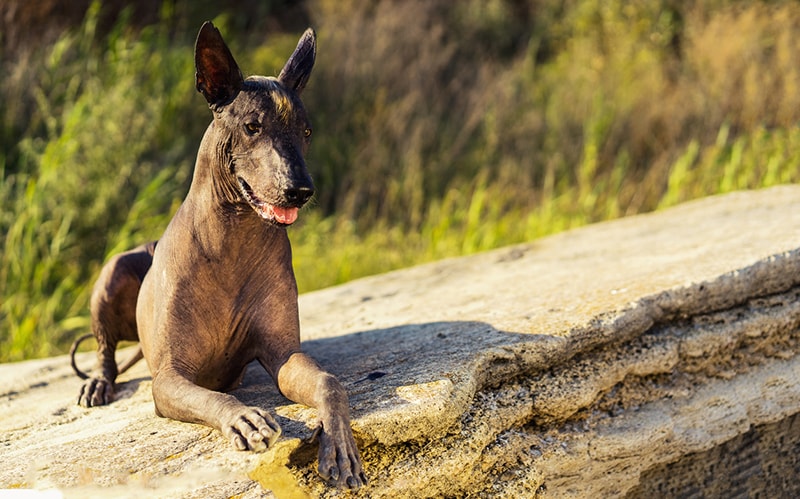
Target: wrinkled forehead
{"points": [[261, 93]]}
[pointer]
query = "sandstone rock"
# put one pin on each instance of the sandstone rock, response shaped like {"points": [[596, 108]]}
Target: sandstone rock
{"points": [[624, 358]]}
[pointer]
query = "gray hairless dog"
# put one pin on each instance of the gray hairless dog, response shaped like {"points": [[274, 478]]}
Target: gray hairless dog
{"points": [[218, 291]]}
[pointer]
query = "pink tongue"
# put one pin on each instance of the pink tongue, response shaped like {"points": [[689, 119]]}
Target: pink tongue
{"points": [[284, 215]]}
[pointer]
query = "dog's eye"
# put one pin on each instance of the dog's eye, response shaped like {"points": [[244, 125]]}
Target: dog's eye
{"points": [[307, 132], [252, 128]]}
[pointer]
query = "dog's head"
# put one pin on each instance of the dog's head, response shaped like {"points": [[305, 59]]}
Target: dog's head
{"points": [[265, 129]]}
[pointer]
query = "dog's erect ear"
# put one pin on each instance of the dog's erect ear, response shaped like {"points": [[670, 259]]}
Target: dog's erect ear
{"points": [[295, 73], [217, 75]]}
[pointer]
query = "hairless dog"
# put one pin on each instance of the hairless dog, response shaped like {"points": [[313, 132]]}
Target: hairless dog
{"points": [[217, 291]]}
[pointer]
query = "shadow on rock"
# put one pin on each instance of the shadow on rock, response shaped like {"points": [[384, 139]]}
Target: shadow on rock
{"points": [[406, 382]]}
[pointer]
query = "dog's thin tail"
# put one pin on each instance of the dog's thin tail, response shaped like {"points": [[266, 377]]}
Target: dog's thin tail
{"points": [[72, 350], [136, 357]]}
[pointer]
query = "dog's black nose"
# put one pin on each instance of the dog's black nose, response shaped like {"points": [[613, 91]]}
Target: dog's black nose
{"points": [[298, 195]]}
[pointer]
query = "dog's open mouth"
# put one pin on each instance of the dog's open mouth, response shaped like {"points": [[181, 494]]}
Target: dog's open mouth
{"points": [[267, 211]]}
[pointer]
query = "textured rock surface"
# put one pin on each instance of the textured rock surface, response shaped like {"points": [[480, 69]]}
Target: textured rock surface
{"points": [[610, 360]]}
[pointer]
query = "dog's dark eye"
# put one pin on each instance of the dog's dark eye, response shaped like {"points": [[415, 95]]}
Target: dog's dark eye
{"points": [[307, 132], [252, 128]]}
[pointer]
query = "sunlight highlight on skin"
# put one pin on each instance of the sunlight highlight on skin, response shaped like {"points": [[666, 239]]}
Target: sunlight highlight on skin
{"points": [[284, 107], [282, 100]]}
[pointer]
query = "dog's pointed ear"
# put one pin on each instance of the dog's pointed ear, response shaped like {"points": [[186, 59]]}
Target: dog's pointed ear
{"points": [[297, 69], [217, 75]]}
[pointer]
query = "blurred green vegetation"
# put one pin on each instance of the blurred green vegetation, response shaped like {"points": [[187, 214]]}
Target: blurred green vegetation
{"points": [[441, 129]]}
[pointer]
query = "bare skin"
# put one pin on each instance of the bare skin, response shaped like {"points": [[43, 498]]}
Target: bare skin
{"points": [[219, 290], [113, 306]]}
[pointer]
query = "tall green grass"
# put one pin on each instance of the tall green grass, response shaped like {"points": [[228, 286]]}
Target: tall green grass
{"points": [[102, 170], [441, 129]]}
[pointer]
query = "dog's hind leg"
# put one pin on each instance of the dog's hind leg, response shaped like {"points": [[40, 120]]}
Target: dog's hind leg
{"points": [[113, 309]]}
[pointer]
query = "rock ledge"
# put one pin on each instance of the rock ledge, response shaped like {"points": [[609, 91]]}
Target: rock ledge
{"points": [[618, 359]]}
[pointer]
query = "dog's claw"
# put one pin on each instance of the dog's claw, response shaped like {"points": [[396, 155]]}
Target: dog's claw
{"points": [[333, 474], [239, 443], [314, 435]]}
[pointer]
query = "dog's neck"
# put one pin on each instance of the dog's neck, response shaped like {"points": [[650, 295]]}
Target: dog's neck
{"points": [[215, 214], [212, 182]]}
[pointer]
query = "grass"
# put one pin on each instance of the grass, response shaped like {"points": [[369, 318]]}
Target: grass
{"points": [[439, 132], [462, 225]]}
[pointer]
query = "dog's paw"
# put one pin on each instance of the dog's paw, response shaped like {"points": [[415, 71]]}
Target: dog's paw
{"points": [[96, 391], [339, 460], [251, 428]]}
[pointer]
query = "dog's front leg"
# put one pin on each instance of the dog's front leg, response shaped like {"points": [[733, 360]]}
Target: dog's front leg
{"points": [[300, 379], [176, 397]]}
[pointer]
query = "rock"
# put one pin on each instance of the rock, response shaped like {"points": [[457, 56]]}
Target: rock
{"points": [[636, 357]]}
